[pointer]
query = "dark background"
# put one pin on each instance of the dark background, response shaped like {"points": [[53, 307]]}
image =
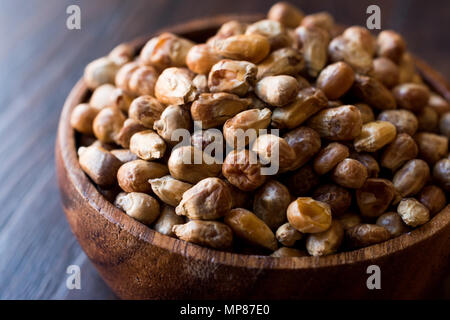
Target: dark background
{"points": [[41, 60]]}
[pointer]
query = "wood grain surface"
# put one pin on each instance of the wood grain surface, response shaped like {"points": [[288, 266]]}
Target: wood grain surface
{"points": [[40, 62]]}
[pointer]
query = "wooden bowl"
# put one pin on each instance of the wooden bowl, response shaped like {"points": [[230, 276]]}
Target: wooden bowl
{"points": [[139, 263]]}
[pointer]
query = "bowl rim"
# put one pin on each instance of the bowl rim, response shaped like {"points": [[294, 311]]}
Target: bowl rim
{"points": [[65, 146]]}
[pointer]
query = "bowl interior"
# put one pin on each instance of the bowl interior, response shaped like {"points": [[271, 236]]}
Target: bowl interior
{"points": [[200, 30]]}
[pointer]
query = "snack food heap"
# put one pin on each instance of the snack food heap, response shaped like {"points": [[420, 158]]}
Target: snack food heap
{"points": [[346, 145]]}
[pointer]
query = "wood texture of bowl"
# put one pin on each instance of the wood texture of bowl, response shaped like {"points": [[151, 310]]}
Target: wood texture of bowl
{"points": [[139, 263]]}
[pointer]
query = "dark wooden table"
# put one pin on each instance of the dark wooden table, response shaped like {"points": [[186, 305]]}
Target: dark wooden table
{"points": [[41, 60]]}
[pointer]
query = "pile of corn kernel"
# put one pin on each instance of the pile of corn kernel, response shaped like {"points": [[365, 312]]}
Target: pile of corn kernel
{"points": [[347, 145]]}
